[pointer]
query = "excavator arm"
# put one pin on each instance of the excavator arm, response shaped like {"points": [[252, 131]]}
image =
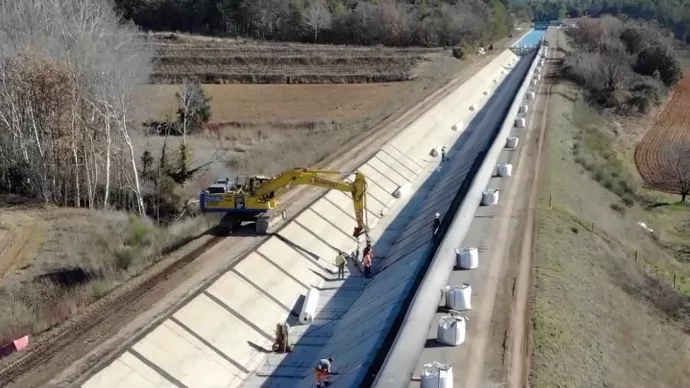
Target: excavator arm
{"points": [[301, 176]]}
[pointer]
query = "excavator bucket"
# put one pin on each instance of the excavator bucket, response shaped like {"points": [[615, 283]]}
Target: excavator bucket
{"points": [[357, 232]]}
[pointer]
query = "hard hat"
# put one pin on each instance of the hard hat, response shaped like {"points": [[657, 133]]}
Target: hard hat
{"points": [[437, 215]]}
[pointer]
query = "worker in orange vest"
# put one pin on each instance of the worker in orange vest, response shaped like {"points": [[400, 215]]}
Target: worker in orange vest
{"points": [[323, 372], [368, 254]]}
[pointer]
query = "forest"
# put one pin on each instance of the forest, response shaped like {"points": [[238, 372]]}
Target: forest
{"points": [[68, 69], [672, 14], [358, 22]]}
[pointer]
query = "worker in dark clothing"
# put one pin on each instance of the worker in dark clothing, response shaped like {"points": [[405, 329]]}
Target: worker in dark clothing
{"points": [[367, 256], [436, 225], [323, 372], [367, 249], [366, 262], [443, 153]]}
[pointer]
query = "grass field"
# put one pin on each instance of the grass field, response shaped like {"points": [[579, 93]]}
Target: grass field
{"points": [[605, 310], [55, 261]]}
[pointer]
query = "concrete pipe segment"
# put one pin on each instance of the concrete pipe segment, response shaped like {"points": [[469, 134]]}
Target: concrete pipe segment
{"points": [[402, 357], [222, 335]]}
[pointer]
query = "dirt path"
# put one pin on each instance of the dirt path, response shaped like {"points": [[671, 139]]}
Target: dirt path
{"points": [[20, 235], [519, 345], [89, 339]]}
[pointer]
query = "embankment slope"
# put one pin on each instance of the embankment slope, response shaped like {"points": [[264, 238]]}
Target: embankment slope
{"points": [[599, 318]]}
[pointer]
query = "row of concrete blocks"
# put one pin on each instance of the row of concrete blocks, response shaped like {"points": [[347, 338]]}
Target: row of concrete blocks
{"points": [[452, 327]]}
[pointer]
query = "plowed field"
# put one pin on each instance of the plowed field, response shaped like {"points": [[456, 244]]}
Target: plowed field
{"points": [[673, 126], [229, 61]]}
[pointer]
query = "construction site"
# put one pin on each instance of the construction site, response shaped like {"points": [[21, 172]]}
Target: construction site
{"points": [[293, 275], [406, 220]]}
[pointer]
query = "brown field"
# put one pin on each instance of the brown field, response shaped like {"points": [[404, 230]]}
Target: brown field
{"points": [[672, 127], [263, 129], [279, 103], [222, 61]]}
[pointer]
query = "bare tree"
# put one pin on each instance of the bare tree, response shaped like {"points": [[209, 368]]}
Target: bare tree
{"points": [[67, 72], [613, 70], [678, 156], [317, 17], [193, 108]]}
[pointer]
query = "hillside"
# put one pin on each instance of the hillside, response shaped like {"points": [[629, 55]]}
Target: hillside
{"points": [[610, 299]]}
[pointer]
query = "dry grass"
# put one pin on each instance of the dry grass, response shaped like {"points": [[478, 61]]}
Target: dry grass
{"points": [[600, 318], [275, 103], [81, 255], [233, 61], [264, 129]]}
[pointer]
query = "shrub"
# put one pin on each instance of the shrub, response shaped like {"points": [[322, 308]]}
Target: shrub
{"points": [[618, 208], [658, 59], [458, 52]]}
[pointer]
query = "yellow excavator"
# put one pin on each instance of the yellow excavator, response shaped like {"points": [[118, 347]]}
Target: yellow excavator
{"points": [[248, 199]]}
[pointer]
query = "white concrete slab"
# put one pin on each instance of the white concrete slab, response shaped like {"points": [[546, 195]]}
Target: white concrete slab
{"points": [[128, 371], [185, 359]]}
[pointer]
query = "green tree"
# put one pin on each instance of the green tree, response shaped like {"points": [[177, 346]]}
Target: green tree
{"points": [[658, 59]]}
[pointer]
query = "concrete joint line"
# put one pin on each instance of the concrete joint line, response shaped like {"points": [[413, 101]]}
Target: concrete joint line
{"points": [[384, 151], [394, 170]]}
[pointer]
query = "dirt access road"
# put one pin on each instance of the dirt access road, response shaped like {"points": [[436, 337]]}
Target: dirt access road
{"points": [[502, 348], [71, 350], [20, 235]]}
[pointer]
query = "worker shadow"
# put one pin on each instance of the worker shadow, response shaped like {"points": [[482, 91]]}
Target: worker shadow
{"points": [[432, 343], [370, 311], [259, 348]]}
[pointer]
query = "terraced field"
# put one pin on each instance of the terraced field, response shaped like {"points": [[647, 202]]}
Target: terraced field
{"points": [[652, 158], [216, 61]]}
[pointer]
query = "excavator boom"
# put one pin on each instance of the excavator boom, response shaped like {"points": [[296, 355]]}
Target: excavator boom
{"points": [[300, 176], [254, 197]]}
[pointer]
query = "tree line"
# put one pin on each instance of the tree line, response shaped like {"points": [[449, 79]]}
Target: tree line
{"points": [[357, 22], [627, 66], [672, 14], [68, 72]]}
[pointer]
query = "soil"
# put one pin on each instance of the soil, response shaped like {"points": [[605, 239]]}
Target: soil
{"points": [[501, 349], [20, 238], [655, 165]]}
